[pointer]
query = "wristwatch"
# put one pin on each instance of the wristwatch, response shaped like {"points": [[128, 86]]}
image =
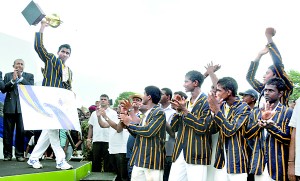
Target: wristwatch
{"points": [[129, 110]]}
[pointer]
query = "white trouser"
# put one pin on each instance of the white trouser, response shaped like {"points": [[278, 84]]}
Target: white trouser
{"points": [[264, 176], [47, 137], [180, 170], [145, 174], [221, 174]]}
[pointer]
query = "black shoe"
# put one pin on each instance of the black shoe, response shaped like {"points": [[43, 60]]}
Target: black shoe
{"points": [[21, 159], [7, 159]]}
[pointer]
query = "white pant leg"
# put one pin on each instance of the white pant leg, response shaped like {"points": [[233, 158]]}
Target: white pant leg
{"points": [[237, 177], [221, 174], [264, 176], [196, 172], [41, 146], [178, 169], [55, 144], [138, 174], [154, 175]]}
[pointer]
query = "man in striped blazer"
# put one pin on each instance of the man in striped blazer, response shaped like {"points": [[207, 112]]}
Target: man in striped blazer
{"points": [[149, 147], [231, 118], [56, 74], [275, 70], [192, 149], [269, 127]]}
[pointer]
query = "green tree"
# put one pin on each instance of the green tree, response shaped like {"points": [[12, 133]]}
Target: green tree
{"points": [[295, 77], [123, 95]]}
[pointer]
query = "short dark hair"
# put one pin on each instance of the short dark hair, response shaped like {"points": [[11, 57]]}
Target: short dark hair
{"points": [[195, 75], [67, 46], [182, 94], [228, 83], [278, 82], [168, 92], [104, 95], [154, 92]]}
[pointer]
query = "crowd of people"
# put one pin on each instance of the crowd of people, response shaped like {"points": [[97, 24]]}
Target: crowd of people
{"points": [[166, 135]]}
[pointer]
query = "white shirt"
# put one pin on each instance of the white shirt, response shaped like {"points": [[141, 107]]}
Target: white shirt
{"points": [[99, 134], [117, 141], [65, 72], [295, 123]]}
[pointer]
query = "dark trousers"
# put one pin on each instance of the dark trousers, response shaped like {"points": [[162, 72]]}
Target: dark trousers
{"points": [[120, 164], [9, 123], [167, 167], [101, 156]]}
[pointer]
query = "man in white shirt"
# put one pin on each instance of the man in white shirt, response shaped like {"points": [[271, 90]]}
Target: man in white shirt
{"points": [[98, 137], [166, 96], [108, 118], [294, 158]]}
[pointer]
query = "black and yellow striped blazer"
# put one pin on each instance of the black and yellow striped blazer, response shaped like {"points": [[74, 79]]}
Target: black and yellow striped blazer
{"points": [[193, 137], [52, 73], [231, 134], [273, 148], [149, 146], [280, 72]]}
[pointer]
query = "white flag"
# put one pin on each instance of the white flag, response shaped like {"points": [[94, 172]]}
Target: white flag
{"points": [[48, 108]]}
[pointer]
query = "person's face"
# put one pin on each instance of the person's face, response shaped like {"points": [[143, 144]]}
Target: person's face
{"points": [[164, 98], [269, 74], [271, 93], [189, 85], [19, 65], [136, 102], [146, 98], [248, 99], [97, 103], [64, 54], [104, 101], [222, 94]]}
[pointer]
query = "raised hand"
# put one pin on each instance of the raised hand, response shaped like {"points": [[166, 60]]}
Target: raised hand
{"points": [[266, 116], [15, 74], [213, 102], [210, 68], [270, 32], [178, 103], [267, 112]]}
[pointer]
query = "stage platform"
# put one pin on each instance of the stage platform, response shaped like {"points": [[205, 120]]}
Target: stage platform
{"points": [[14, 171]]}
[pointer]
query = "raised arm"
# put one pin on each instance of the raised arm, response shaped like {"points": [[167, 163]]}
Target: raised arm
{"points": [[277, 60], [250, 77], [210, 71]]}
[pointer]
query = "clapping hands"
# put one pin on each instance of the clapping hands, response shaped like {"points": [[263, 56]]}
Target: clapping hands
{"points": [[266, 116]]}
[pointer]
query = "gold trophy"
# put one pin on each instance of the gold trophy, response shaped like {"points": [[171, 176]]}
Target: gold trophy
{"points": [[34, 14]]}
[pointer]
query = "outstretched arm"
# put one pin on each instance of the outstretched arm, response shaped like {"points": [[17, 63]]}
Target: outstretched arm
{"points": [[210, 71], [250, 77]]}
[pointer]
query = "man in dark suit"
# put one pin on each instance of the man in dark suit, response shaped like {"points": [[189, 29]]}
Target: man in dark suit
{"points": [[12, 111]]}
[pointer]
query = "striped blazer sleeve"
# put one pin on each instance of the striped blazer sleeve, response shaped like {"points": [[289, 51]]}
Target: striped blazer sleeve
{"points": [[175, 122], [241, 117], [279, 68], [201, 118], [253, 128], [39, 47], [158, 118], [283, 132], [258, 86]]}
